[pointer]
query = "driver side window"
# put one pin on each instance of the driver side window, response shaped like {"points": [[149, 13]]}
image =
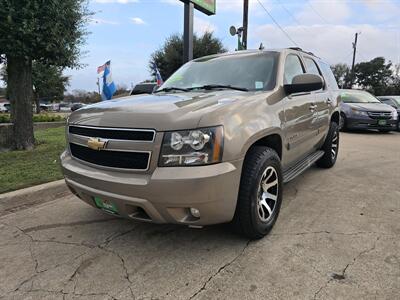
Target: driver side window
{"points": [[293, 67]]}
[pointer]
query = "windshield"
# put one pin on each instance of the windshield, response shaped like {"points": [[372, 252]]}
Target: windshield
{"points": [[358, 97], [396, 99], [246, 71]]}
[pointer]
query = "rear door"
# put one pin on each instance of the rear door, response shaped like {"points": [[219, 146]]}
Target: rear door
{"points": [[299, 114], [322, 101]]}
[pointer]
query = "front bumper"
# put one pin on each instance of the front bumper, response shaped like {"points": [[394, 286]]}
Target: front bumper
{"points": [[364, 123], [164, 196]]}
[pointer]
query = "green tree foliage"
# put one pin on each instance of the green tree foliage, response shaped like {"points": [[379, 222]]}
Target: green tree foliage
{"points": [[169, 57], [375, 75], [48, 32], [342, 74], [49, 82]]}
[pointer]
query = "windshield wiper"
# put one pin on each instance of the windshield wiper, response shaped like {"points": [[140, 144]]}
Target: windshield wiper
{"points": [[172, 88], [219, 86]]}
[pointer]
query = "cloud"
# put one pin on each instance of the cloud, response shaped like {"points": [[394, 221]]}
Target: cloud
{"points": [[201, 26], [98, 21], [138, 21], [324, 12], [333, 43], [116, 1]]}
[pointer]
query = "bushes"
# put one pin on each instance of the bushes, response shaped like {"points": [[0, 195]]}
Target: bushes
{"points": [[5, 118]]}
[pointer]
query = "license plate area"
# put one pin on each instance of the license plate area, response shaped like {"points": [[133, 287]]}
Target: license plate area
{"points": [[382, 122], [106, 205]]}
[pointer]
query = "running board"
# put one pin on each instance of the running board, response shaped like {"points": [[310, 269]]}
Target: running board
{"points": [[301, 166]]}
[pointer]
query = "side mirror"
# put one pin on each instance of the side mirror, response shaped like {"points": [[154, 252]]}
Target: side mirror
{"points": [[304, 83]]}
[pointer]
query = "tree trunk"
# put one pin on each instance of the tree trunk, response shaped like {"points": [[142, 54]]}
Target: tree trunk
{"points": [[19, 85]]}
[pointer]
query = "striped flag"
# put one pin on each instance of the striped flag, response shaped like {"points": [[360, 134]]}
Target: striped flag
{"points": [[159, 79], [101, 69]]}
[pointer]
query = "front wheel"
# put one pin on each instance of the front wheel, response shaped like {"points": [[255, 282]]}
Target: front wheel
{"points": [[260, 193], [330, 147]]}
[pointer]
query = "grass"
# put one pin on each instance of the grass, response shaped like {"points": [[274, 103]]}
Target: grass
{"points": [[20, 169]]}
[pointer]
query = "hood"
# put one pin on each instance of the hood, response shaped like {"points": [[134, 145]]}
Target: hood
{"points": [[158, 111], [374, 107]]}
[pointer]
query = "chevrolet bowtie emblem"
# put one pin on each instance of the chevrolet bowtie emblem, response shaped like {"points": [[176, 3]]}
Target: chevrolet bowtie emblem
{"points": [[97, 144]]}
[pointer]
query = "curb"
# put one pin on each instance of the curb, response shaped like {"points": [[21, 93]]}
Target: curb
{"points": [[22, 199]]}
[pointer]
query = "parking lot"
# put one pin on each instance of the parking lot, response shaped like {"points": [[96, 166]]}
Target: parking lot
{"points": [[337, 237]]}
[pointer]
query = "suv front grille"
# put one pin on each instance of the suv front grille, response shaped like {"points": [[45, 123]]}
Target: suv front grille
{"points": [[113, 159], [380, 115], [142, 135]]}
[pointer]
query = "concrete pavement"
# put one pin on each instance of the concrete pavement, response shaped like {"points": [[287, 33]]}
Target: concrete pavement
{"points": [[337, 237]]}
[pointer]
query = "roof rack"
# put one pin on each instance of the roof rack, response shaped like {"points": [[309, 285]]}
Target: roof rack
{"points": [[301, 50]]}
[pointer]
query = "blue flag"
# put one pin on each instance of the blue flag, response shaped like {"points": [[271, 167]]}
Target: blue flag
{"points": [[108, 84]]}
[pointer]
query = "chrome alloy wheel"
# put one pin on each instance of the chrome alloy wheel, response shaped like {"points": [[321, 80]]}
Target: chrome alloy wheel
{"points": [[335, 144], [267, 194]]}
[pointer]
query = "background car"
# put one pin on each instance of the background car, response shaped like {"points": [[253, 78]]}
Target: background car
{"points": [[361, 110], [76, 106], [393, 101], [3, 108], [143, 88]]}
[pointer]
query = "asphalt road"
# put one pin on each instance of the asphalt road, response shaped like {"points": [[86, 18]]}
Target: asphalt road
{"points": [[337, 238]]}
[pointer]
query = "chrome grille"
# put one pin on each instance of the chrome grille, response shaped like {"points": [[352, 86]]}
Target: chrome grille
{"points": [[124, 148], [380, 115]]}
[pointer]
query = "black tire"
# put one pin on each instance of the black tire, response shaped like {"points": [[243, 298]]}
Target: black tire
{"points": [[384, 130], [248, 220], [343, 122], [330, 147]]}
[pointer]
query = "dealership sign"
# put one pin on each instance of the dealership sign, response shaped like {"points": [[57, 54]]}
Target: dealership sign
{"points": [[205, 6]]}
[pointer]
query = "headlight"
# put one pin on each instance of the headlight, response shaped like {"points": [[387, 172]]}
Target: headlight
{"points": [[395, 114], [192, 147], [359, 112]]}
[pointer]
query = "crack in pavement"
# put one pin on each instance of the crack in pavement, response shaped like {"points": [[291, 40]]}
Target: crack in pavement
{"points": [[343, 273], [101, 246], [204, 286]]}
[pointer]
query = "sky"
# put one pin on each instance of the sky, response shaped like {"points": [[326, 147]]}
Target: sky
{"points": [[128, 31]]}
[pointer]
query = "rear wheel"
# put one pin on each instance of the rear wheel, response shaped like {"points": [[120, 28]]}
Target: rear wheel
{"points": [[330, 147], [260, 193]]}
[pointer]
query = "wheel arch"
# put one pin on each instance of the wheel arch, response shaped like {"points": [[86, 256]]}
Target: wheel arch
{"points": [[272, 140], [335, 117]]}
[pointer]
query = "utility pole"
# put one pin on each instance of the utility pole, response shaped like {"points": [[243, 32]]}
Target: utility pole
{"points": [[98, 85], [188, 32], [354, 60], [245, 22]]}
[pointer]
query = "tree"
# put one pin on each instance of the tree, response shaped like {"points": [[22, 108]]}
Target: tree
{"points": [[375, 75], [342, 74], [169, 57], [48, 32], [49, 83]]}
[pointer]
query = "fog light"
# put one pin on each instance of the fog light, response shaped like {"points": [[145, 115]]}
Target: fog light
{"points": [[195, 212]]}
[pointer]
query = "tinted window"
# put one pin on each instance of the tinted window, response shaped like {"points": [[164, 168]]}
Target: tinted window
{"points": [[311, 66], [358, 97], [328, 76], [249, 71], [293, 67]]}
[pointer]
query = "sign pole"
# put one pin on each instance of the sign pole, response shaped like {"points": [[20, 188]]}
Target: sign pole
{"points": [[188, 32], [245, 23]]}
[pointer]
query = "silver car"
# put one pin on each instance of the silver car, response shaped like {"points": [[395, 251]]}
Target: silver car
{"points": [[363, 111]]}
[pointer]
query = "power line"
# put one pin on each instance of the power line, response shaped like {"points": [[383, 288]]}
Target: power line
{"points": [[277, 24], [317, 13], [293, 17]]}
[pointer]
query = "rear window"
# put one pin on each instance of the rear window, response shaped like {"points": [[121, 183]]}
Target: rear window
{"points": [[328, 75]]}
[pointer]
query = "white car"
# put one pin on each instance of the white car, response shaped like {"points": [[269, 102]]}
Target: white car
{"points": [[3, 108]]}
